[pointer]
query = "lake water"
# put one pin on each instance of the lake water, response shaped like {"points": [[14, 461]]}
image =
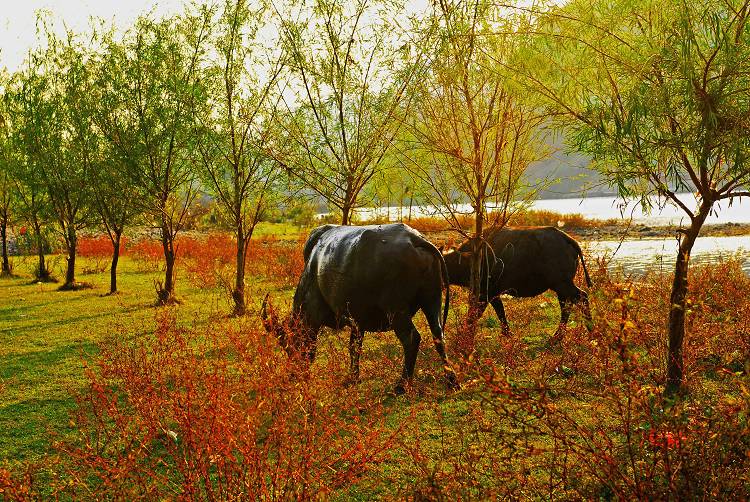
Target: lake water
{"points": [[634, 255], [602, 208], [605, 208]]}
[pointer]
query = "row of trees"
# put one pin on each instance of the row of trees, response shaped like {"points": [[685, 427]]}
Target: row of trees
{"points": [[251, 102]]}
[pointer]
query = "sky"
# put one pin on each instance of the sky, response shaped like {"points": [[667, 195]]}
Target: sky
{"points": [[18, 20]]}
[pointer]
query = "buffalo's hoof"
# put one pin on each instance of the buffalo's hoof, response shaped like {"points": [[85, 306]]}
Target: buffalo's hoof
{"points": [[556, 339], [350, 381], [453, 382]]}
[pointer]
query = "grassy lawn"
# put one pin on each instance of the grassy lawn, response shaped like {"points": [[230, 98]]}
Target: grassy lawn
{"points": [[47, 335]]}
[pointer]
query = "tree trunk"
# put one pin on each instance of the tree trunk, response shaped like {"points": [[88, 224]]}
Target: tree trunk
{"points": [[346, 214], [71, 243], [4, 237], [115, 260], [238, 295], [165, 291], [467, 342], [678, 302], [42, 274]]}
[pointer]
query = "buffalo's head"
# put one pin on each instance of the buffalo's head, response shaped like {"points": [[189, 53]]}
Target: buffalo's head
{"points": [[458, 263], [292, 334]]}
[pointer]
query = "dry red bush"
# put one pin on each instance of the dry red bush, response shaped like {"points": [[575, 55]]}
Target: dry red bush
{"points": [[17, 487], [147, 253], [214, 414], [98, 250]]}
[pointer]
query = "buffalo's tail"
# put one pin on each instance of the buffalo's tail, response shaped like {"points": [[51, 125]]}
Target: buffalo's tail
{"points": [[445, 279], [577, 247]]}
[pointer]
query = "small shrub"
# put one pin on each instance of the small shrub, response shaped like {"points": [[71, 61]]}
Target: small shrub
{"points": [[19, 487], [147, 253], [217, 413], [98, 250]]}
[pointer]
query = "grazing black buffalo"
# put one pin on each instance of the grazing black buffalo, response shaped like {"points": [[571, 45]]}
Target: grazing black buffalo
{"points": [[369, 278], [526, 262]]}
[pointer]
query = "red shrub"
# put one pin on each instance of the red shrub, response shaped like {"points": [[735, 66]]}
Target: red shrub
{"points": [[98, 247], [98, 250], [19, 488], [218, 414], [280, 261], [148, 254], [208, 258]]}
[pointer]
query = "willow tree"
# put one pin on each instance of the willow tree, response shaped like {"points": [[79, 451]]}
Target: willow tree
{"points": [[237, 124], [6, 182], [657, 92], [350, 69], [473, 135], [22, 125], [63, 136], [148, 87]]}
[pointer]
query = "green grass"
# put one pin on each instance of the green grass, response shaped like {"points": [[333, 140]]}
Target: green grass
{"points": [[48, 335], [281, 230]]}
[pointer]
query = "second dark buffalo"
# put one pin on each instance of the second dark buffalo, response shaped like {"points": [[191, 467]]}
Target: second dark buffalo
{"points": [[525, 262], [369, 278]]}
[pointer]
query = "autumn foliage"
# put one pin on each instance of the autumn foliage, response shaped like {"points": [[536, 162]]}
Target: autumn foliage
{"points": [[218, 414], [206, 259], [531, 218]]}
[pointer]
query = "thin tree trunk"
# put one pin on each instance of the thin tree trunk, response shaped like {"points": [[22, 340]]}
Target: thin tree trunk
{"points": [[677, 301], [468, 338], [42, 273], [4, 237], [346, 214], [71, 242], [115, 260], [165, 291], [238, 295]]}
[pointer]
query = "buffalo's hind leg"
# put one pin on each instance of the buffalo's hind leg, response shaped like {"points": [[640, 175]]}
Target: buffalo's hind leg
{"points": [[409, 338], [568, 297], [356, 336], [433, 319]]}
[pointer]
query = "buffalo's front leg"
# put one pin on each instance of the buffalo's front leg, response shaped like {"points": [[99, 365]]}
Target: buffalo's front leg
{"points": [[409, 338], [497, 304], [356, 337]]}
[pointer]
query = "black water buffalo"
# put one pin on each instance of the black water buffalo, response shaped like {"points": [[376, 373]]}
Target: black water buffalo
{"points": [[369, 278], [525, 262]]}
